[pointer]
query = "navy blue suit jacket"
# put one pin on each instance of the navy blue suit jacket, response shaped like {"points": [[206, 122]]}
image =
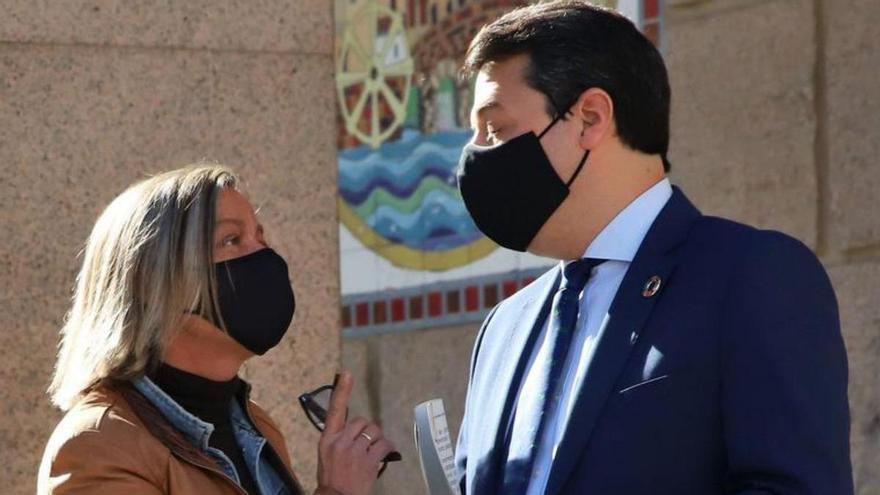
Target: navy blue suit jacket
{"points": [[732, 379]]}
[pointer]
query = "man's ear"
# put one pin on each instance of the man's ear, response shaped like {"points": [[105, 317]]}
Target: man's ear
{"points": [[594, 111]]}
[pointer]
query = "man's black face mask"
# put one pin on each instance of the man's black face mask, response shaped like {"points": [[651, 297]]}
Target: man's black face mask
{"points": [[511, 190]]}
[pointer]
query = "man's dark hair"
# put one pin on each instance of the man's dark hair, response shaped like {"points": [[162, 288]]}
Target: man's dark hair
{"points": [[574, 46]]}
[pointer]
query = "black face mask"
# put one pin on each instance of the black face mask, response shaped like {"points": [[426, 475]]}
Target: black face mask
{"points": [[511, 190], [256, 299]]}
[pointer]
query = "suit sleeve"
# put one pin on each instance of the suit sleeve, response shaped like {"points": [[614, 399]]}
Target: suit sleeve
{"points": [[461, 447], [784, 375], [88, 464]]}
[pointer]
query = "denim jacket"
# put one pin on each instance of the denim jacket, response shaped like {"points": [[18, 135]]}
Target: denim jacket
{"points": [[253, 445]]}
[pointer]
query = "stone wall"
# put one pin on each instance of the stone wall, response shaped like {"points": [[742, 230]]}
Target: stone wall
{"points": [[847, 146], [95, 95], [776, 123]]}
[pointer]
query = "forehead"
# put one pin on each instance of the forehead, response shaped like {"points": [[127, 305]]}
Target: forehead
{"points": [[232, 203], [503, 84]]}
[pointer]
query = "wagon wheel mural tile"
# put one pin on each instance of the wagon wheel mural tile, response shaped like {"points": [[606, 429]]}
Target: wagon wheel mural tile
{"points": [[410, 254]]}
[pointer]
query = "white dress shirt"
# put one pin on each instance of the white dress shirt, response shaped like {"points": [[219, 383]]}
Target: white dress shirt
{"points": [[618, 243]]}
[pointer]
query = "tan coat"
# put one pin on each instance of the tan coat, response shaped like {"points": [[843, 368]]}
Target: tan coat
{"points": [[115, 441]]}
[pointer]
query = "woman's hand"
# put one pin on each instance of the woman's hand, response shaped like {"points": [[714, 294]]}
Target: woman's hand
{"points": [[349, 454]]}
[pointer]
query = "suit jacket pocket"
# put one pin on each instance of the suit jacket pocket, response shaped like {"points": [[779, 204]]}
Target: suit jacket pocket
{"points": [[643, 385]]}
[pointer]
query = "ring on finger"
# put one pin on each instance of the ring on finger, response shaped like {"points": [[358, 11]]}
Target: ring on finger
{"points": [[367, 437]]}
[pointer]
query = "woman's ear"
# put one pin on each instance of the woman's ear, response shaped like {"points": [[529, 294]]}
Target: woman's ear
{"points": [[594, 111]]}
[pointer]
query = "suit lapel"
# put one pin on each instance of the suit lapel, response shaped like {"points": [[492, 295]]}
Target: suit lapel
{"points": [[502, 366], [627, 316]]}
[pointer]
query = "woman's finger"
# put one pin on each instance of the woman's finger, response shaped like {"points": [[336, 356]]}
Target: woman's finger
{"points": [[339, 403], [380, 449], [369, 435], [353, 429]]}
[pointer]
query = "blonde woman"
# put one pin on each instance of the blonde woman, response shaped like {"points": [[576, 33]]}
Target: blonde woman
{"points": [[177, 290]]}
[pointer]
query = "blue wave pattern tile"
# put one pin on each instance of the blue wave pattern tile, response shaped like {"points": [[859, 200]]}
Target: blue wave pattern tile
{"points": [[406, 190]]}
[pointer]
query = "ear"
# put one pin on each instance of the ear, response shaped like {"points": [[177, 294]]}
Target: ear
{"points": [[594, 111]]}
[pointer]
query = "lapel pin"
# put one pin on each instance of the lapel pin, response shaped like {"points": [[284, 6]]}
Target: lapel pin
{"points": [[652, 287]]}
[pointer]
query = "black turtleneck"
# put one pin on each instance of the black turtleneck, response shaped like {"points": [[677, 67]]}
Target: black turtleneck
{"points": [[209, 401]]}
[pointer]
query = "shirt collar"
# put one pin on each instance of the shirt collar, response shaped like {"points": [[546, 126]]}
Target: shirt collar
{"points": [[620, 240]]}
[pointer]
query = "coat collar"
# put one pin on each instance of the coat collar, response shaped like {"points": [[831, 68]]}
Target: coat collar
{"points": [[621, 238], [187, 436]]}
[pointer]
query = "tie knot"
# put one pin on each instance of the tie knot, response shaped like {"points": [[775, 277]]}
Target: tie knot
{"points": [[576, 273]]}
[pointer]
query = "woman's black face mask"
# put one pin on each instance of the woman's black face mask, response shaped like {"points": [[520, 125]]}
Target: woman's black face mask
{"points": [[256, 299], [511, 190]]}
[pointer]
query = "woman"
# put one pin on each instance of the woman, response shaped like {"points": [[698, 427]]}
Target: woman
{"points": [[177, 290]]}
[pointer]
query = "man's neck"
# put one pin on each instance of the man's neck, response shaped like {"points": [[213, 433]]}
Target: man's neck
{"points": [[592, 206]]}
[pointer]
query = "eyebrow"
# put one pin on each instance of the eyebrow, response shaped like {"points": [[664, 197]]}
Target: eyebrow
{"points": [[230, 220], [239, 223], [483, 108], [489, 105]]}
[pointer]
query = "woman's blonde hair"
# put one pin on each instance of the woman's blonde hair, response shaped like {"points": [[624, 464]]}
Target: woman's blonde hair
{"points": [[147, 262]]}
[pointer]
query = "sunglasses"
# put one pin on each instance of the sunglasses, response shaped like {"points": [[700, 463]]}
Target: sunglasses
{"points": [[316, 404]]}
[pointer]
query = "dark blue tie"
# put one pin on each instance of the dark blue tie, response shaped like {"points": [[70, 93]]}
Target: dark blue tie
{"points": [[531, 410]]}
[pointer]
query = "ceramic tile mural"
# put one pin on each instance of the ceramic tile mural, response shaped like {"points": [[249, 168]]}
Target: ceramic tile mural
{"points": [[410, 255]]}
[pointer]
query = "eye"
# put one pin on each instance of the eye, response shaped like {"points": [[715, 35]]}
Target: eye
{"points": [[493, 134], [230, 240]]}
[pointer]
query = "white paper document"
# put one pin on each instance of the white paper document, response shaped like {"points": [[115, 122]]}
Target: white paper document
{"points": [[436, 453]]}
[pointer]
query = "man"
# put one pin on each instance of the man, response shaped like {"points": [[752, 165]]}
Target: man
{"points": [[669, 352]]}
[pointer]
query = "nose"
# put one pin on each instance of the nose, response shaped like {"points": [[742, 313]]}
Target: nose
{"points": [[252, 245], [480, 138]]}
